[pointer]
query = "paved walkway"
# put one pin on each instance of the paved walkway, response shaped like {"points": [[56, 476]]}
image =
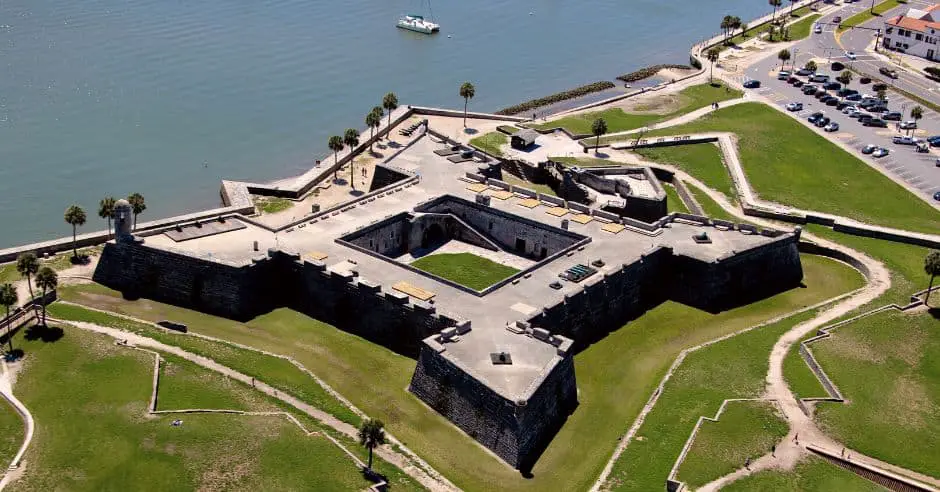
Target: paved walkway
{"points": [[436, 482], [6, 390]]}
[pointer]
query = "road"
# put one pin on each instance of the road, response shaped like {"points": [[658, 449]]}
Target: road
{"points": [[917, 170]]}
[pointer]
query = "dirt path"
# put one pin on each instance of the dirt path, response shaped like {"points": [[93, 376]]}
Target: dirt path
{"points": [[6, 390], [433, 481]]}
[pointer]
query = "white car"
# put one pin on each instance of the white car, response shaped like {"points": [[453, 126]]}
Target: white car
{"points": [[795, 106], [880, 152], [817, 29], [902, 140], [850, 55], [849, 109], [831, 127], [909, 125]]}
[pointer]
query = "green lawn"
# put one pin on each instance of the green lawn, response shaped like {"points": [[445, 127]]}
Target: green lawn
{"points": [[866, 15], [588, 162], [812, 475], [709, 206], [275, 371], [11, 432], [540, 188], [791, 164], [888, 369], [272, 205], [700, 160], [466, 269], [673, 202], [746, 430], [801, 380], [184, 385], [691, 98], [491, 143], [58, 262], [89, 399], [508, 129], [801, 28], [376, 379]]}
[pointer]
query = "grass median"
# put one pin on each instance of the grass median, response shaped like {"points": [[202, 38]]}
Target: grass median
{"points": [[869, 14]]}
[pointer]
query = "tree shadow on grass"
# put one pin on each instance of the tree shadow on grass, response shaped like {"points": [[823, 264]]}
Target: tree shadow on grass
{"points": [[13, 355], [934, 311], [47, 334], [471, 131]]}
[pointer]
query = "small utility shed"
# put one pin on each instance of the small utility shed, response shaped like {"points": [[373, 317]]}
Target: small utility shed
{"points": [[523, 139]]}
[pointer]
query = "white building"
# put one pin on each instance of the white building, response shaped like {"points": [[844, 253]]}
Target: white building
{"points": [[916, 33]]}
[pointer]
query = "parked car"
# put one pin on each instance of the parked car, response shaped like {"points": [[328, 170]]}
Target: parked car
{"points": [[815, 116], [825, 98], [888, 72], [819, 77], [877, 108], [854, 114], [783, 75], [934, 140], [850, 55], [833, 101], [832, 86], [864, 117], [853, 97], [798, 83], [892, 116], [880, 152], [791, 79], [868, 149], [848, 109], [803, 72], [909, 125], [876, 122], [936, 196], [842, 105], [751, 84], [821, 94], [809, 90], [821, 122], [902, 140], [795, 106], [845, 91], [831, 127]]}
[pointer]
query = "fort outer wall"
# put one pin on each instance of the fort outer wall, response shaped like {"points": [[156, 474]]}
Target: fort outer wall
{"points": [[517, 431], [271, 281]]}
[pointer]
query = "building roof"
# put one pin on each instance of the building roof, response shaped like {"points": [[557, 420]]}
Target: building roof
{"points": [[917, 19], [528, 135]]}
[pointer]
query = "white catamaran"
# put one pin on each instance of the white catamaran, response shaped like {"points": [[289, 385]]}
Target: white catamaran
{"points": [[418, 23]]}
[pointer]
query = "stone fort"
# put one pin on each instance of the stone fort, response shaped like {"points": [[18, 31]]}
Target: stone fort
{"points": [[497, 361]]}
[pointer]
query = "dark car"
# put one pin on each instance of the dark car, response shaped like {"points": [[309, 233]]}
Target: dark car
{"points": [[813, 117], [842, 105], [876, 122], [837, 19], [821, 122], [888, 72], [881, 86], [804, 72], [864, 80], [862, 118], [936, 196], [832, 102], [827, 98], [934, 141], [791, 79], [877, 108], [853, 97], [832, 86], [892, 116], [845, 91], [751, 84], [809, 89], [798, 83], [820, 94]]}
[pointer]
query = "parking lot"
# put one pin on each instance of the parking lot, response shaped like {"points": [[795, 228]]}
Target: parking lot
{"points": [[916, 169]]}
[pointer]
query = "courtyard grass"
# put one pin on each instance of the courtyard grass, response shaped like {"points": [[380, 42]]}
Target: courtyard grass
{"points": [[272, 205], [275, 371], [11, 432], [788, 163], [673, 202], [703, 161], [491, 143], [866, 15], [887, 367], [376, 379], [811, 475], [618, 120], [89, 400], [746, 430], [466, 269]]}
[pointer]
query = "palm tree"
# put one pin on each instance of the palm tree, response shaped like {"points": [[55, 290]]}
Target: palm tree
{"points": [[137, 206], [467, 91], [811, 66], [106, 211], [373, 121], [75, 217], [712, 56], [726, 26], [783, 56], [775, 4], [871, 10], [598, 128], [372, 435], [735, 23], [336, 145], [882, 95], [932, 268], [743, 27], [792, 2], [351, 139], [917, 113], [8, 299], [47, 280], [845, 77], [27, 264], [390, 103]]}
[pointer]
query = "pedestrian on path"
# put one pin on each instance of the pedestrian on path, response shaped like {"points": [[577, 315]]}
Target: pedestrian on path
{"points": [[747, 464], [796, 438], [773, 450]]}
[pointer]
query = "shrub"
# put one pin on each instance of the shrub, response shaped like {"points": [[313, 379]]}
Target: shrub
{"points": [[554, 98], [647, 72]]}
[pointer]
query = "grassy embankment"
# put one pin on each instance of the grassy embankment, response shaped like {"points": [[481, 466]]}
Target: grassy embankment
{"points": [[788, 163], [866, 15], [618, 120], [375, 378], [812, 475], [491, 143], [89, 398], [673, 202], [272, 205], [466, 269]]}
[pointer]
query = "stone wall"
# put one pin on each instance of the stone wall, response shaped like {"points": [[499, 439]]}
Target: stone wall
{"points": [[516, 431], [385, 176]]}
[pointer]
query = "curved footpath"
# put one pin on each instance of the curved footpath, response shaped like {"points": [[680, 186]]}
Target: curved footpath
{"points": [[6, 389], [428, 478]]}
